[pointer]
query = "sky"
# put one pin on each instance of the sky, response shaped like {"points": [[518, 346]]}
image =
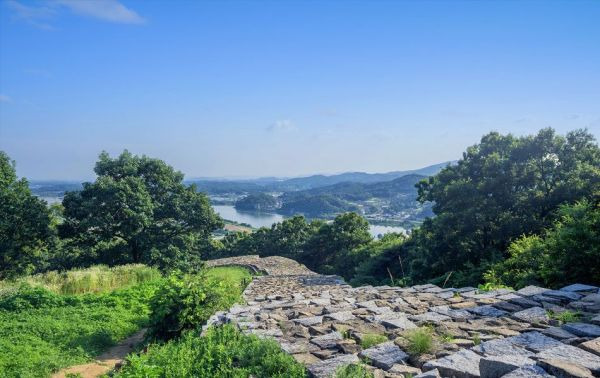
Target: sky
{"points": [[287, 88]]}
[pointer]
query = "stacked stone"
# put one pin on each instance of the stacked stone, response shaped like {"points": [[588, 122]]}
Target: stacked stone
{"points": [[322, 322]]}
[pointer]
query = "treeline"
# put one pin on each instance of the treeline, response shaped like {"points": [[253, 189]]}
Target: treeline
{"points": [[136, 211], [513, 210]]}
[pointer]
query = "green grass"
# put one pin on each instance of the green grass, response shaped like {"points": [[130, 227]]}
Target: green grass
{"points": [[565, 316], [96, 279], [353, 371], [420, 340], [223, 352], [239, 277], [371, 339], [41, 332], [476, 339]]}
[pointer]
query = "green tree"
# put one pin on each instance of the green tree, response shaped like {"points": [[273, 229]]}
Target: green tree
{"points": [[567, 252], [327, 249], [138, 210], [25, 233], [502, 188]]}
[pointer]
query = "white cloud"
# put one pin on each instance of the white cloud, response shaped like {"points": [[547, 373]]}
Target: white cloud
{"points": [[105, 10], [5, 98], [282, 125], [36, 16]]}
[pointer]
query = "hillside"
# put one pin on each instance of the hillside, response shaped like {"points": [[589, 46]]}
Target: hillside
{"points": [[391, 201]]}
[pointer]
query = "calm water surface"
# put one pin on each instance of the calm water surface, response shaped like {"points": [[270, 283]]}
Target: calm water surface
{"points": [[267, 219]]}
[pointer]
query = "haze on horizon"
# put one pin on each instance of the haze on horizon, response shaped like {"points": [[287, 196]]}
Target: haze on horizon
{"points": [[254, 89]]}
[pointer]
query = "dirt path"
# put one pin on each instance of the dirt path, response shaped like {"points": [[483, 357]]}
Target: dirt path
{"points": [[107, 360]]}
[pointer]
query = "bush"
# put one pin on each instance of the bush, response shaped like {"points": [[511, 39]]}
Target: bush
{"points": [[567, 252], [184, 302], [221, 352]]}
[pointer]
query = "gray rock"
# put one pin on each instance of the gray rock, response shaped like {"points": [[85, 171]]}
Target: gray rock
{"points": [[423, 287], [498, 366], [534, 341], [298, 347], [327, 368], [579, 287], [454, 314], [405, 370], [501, 347], [563, 369], [328, 340], [267, 333], [341, 316], [596, 320], [558, 333], [384, 355], [432, 317], [582, 329], [563, 295], [320, 301], [532, 371], [524, 302], [532, 315], [572, 355], [429, 374], [400, 322], [592, 346], [462, 364], [486, 310], [309, 321], [531, 290]]}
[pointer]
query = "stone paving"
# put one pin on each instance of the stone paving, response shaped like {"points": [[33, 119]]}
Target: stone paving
{"points": [[322, 322]]}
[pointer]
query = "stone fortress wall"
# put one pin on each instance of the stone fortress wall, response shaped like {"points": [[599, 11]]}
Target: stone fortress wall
{"points": [[320, 321]]}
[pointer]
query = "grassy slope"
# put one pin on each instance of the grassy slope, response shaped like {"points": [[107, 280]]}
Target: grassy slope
{"points": [[41, 331]]}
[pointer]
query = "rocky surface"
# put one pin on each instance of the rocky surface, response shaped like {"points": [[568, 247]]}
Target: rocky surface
{"points": [[325, 324]]}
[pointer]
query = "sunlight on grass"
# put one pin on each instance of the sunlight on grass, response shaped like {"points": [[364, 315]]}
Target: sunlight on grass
{"points": [[96, 279]]}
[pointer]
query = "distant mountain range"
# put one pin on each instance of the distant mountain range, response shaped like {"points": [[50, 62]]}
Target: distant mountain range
{"points": [[305, 183]]}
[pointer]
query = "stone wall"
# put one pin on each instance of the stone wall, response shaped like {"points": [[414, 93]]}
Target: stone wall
{"points": [[323, 322]]}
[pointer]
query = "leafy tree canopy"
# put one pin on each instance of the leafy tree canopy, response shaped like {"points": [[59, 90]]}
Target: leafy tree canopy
{"points": [[139, 210], [25, 232], [502, 188]]}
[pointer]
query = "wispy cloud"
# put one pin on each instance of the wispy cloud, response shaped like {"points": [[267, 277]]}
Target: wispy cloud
{"points": [[5, 98], [46, 11], [37, 16], [282, 125], [106, 10]]}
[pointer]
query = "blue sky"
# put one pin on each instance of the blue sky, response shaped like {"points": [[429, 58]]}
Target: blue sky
{"points": [[258, 88]]}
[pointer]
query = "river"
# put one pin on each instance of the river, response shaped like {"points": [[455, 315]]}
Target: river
{"points": [[256, 219]]}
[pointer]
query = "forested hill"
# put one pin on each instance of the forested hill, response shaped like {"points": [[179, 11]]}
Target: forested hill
{"points": [[355, 191], [394, 200]]}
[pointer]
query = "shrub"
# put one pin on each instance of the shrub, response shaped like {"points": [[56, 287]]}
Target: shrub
{"points": [[370, 339], [222, 352], [185, 302], [567, 252], [353, 371], [420, 340]]}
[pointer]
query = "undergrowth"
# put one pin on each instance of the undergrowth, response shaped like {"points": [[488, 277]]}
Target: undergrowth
{"points": [[223, 352]]}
